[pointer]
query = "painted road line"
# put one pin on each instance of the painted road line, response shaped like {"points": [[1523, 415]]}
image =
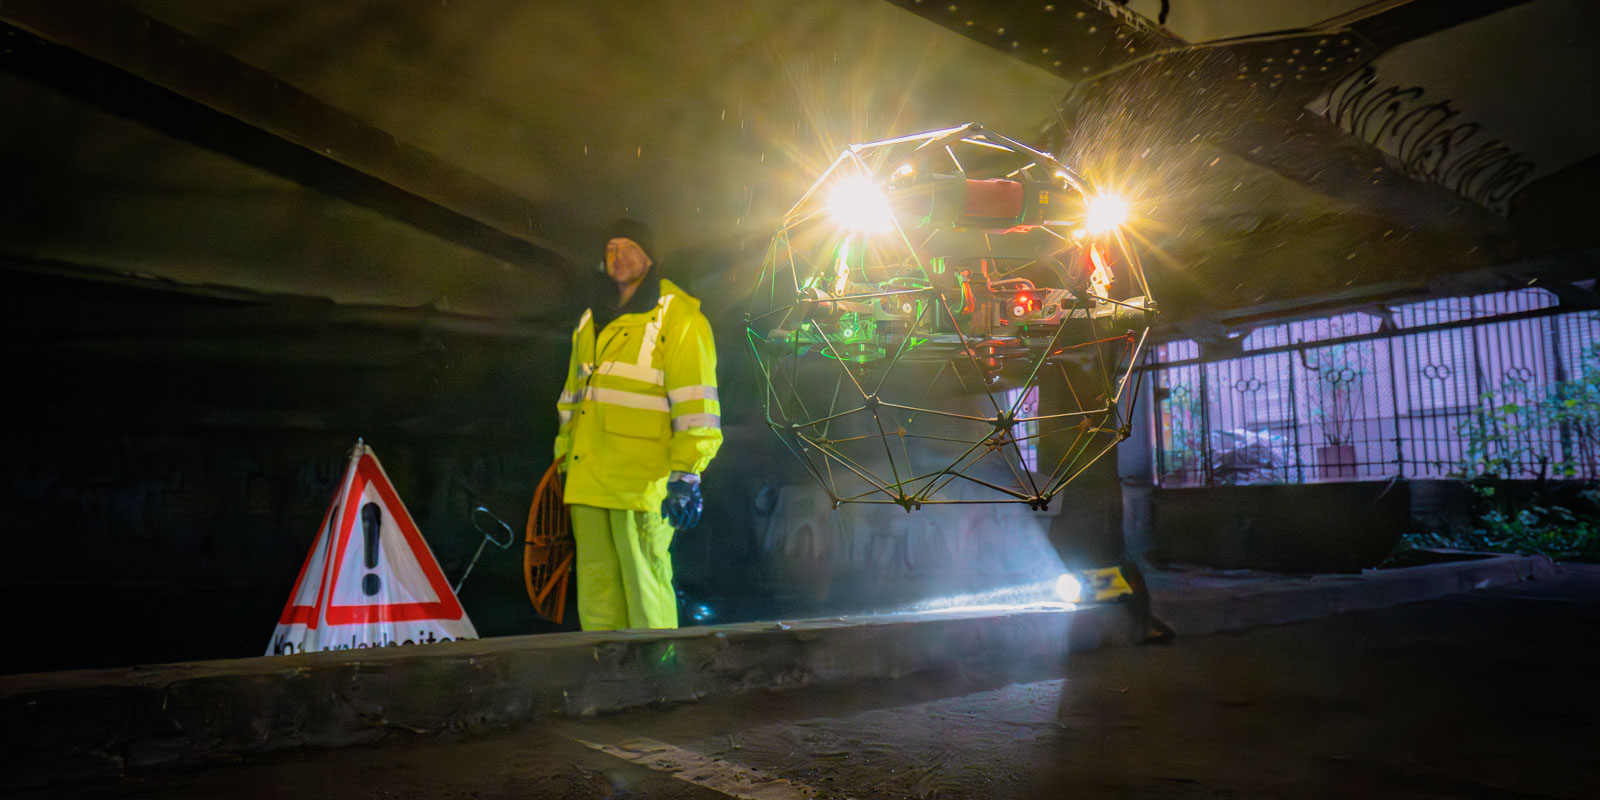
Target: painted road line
{"points": [[715, 774]]}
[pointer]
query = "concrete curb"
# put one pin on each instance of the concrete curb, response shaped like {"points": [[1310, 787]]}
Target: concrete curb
{"points": [[93, 724], [103, 723]]}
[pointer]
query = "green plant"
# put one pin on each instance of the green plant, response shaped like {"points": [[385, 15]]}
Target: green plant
{"points": [[1527, 526], [1183, 450], [1576, 407], [1338, 371], [1553, 530], [1509, 434], [1512, 435]]}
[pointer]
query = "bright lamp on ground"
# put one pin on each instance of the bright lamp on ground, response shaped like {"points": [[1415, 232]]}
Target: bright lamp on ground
{"points": [[1068, 587], [1106, 212], [857, 204]]}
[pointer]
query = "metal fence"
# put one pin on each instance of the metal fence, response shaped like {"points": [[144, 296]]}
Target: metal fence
{"points": [[1501, 384]]}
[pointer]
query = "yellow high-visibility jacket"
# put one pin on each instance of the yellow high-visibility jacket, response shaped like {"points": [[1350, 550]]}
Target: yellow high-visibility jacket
{"points": [[640, 403]]}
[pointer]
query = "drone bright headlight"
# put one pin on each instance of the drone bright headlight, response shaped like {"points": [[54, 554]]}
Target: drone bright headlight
{"points": [[857, 204], [1069, 588], [1106, 212]]}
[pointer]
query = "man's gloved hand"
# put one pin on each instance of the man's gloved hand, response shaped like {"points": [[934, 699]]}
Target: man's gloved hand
{"points": [[683, 502]]}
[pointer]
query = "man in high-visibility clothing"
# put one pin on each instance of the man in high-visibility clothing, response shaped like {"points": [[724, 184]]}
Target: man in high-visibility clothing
{"points": [[640, 421]]}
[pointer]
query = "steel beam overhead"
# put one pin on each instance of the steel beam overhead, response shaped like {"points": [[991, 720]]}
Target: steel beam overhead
{"points": [[1393, 24], [128, 64]]}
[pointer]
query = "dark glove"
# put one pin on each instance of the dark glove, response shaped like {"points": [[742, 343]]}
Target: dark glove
{"points": [[682, 504]]}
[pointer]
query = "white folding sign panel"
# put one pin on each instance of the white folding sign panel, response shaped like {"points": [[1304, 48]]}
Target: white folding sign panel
{"points": [[370, 579]]}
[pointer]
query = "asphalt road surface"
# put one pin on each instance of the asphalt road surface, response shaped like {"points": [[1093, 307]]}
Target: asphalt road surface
{"points": [[1485, 695]]}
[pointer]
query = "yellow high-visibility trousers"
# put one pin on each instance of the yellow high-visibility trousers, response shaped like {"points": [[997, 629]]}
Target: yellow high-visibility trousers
{"points": [[624, 569]]}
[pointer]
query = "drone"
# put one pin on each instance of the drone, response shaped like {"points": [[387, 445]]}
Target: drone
{"points": [[949, 317]]}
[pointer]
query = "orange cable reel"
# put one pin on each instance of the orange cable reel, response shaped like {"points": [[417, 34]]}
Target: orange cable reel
{"points": [[548, 549]]}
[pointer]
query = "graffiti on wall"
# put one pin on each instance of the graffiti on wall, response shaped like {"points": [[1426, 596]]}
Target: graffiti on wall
{"points": [[1431, 139], [806, 536]]}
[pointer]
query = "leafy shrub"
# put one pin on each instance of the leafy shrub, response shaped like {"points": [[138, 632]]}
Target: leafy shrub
{"points": [[1507, 439]]}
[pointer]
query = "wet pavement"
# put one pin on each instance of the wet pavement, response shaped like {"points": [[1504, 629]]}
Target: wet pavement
{"points": [[1487, 694]]}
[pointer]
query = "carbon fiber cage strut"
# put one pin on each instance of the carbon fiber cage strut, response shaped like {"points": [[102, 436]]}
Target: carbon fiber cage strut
{"points": [[940, 320]]}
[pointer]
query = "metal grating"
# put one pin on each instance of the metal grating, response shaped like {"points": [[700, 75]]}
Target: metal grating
{"points": [[1498, 383]]}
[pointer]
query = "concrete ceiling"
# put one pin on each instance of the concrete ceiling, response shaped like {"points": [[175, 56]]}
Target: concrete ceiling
{"points": [[463, 157], [706, 118]]}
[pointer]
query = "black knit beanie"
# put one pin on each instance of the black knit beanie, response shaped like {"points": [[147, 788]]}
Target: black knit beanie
{"points": [[639, 232]]}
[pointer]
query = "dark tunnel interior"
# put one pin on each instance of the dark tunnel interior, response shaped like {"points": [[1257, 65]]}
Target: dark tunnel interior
{"points": [[237, 237]]}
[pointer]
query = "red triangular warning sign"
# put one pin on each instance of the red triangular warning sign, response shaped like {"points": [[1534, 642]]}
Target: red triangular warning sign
{"points": [[370, 579]]}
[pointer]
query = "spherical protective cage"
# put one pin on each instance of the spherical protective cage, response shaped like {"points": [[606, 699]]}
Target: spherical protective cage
{"points": [[960, 336]]}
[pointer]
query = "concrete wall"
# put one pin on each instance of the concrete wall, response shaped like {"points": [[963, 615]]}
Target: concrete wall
{"points": [[1327, 527], [173, 454], [862, 558], [169, 457]]}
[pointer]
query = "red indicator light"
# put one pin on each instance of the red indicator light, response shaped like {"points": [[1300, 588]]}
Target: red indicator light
{"points": [[1024, 302]]}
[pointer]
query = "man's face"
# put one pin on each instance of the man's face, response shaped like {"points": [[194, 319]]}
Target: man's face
{"points": [[626, 263]]}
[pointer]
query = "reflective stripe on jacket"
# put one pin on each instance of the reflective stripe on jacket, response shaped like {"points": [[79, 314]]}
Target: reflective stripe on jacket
{"points": [[640, 403]]}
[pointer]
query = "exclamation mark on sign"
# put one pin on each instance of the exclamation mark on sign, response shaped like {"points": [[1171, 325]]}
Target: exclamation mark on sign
{"points": [[371, 526]]}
